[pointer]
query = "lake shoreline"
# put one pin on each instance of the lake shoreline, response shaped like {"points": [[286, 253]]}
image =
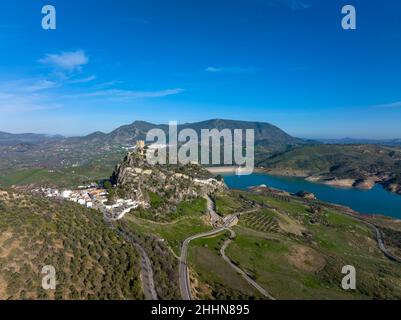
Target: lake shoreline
{"points": [[366, 184], [374, 201]]}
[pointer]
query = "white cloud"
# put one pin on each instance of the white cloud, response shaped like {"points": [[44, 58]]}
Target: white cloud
{"points": [[15, 103], [26, 95], [69, 61], [127, 94], [213, 69], [83, 80], [27, 85], [292, 4], [393, 105], [229, 70], [106, 84], [35, 94], [40, 85]]}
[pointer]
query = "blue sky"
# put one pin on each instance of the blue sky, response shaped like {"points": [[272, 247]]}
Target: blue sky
{"points": [[287, 62]]}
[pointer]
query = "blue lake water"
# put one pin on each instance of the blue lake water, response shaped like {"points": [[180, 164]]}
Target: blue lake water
{"points": [[374, 201]]}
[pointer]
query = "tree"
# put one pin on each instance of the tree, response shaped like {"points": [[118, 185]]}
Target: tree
{"points": [[107, 185]]}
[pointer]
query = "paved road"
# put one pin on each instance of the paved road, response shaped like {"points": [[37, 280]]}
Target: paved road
{"points": [[183, 271], [215, 219], [147, 279], [379, 238], [379, 235], [147, 274], [241, 272], [184, 281]]}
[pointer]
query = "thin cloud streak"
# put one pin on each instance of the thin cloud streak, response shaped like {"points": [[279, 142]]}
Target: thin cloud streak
{"points": [[36, 94], [229, 70], [292, 4], [393, 105], [83, 80], [68, 61], [17, 103], [127, 94]]}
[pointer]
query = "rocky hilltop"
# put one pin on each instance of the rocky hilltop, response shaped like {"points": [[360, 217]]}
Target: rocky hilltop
{"points": [[162, 187], [359, 166]]}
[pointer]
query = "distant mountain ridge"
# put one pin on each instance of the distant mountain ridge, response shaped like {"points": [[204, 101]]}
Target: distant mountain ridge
{"points": [[138, 129], [66, 152], [267, 136], [361, 141], [11, 138]]}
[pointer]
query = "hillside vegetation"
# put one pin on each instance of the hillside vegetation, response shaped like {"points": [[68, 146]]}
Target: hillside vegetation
{"points": [[295, 249], [362, 165], [91, 261]]}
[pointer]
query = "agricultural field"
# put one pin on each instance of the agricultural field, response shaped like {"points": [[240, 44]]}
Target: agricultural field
{"points": [[84, 169], [263, 220], [212, 277], [229, 203], [296, 257]]}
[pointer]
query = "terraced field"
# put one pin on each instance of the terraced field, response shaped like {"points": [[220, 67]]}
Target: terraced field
{"points": [[263, 220]]}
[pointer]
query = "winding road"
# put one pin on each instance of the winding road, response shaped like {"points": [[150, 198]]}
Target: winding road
{"points": [[183, 272], [238, 270], [379, 237], [148, 284], [184, 281]]}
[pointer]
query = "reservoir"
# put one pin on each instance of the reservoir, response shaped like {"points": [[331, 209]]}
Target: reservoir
{"points": [[374, 201]]}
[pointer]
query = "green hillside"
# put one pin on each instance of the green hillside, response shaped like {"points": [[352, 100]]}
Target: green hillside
{"points": [[295, 252], [91, 262]]}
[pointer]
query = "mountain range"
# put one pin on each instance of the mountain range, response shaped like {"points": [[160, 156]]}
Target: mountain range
{"points": [[265, 133], [32, 150], [357, 163], [361, 141], [12, 139]]}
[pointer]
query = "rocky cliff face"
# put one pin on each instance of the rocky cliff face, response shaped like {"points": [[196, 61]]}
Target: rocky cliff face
{"points": [[162, 186]]}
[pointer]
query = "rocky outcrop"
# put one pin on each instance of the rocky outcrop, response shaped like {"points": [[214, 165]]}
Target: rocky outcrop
{"points": [[367, 184], [306, 195], [162, 186], [393, 185]]}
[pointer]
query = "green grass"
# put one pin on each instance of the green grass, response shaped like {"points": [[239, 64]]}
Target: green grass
{"points": [[227, 204], [217, 280], [195, 207], [266, 260], [263, 220], [269, 256], [291, 206], [70, 177], [155, 200], [188, 222], [90, 169]]}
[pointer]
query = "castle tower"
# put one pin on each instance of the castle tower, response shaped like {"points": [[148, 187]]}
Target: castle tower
{"points": [[140, 146]]}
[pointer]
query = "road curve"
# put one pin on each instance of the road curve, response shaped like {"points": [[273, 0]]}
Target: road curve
{"points": [[241, 272], [185, 287], [379, 238], [146, 274], [147, 279], [184, 281]]}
